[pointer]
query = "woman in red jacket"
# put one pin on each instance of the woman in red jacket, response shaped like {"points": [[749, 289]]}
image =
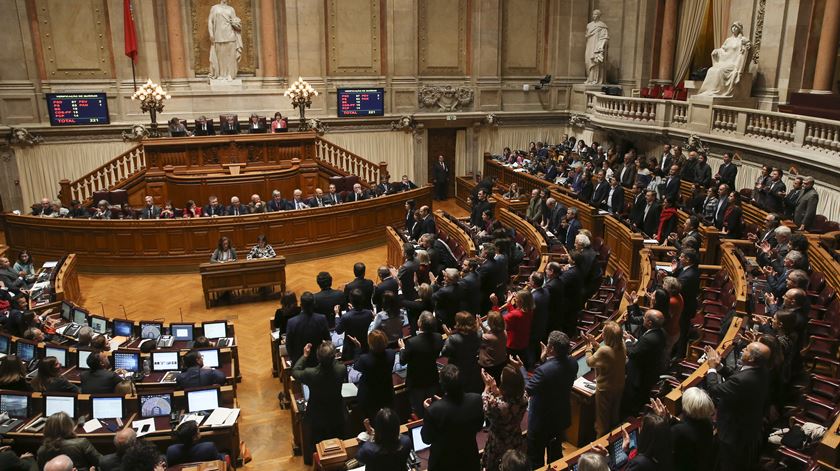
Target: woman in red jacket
{"points": [[667, 219], [518, 323]]}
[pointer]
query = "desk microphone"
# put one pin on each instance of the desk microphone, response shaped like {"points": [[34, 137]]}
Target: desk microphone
{"points": [[125, 314], [181, 312], [103, 308]]}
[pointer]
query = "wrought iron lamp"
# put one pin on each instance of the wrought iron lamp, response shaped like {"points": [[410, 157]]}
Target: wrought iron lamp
{"points": [[152, 98], [301, 94]]}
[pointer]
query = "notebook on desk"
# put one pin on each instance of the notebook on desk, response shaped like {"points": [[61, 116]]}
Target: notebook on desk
{"points": [[169, 377]]}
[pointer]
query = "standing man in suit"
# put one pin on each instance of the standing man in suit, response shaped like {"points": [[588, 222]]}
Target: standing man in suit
{"points": [[727, 171], [297, 201], [665, 161], [493, 276], [741, 402], [333, 197], [354, 323], [775, 194], [689, 232], [360, 283], [441, 174], [549, 408], [539, 320], [406, 273], [420, 357], [429, 226], [627, 176], [276, 203], [688, 273], [615, 197], [328, 298], [644, 361], [447, 299], [450, 425], [571, 283], [306, 328], [672, 184], [325, 411], [358, 194], [723, 202], [703, 172], [601, 189], [236, 208], [387, 282], [553, 220], [638, 208], [650, 214], [806, 206], [555, 295], [150, 211], [317, 201], [570, 228], [470, 286], [793, 197], [479, 206], [534, 211]]}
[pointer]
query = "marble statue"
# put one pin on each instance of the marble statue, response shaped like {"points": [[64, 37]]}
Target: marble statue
{"points": [[727, 64], [225, 41], [597, 38]]}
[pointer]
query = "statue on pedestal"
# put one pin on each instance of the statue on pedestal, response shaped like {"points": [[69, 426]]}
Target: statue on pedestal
{"points": [[597, 38], [225, 41], [727, 64]]}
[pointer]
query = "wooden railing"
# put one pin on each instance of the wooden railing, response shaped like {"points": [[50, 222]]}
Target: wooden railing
{"points": [[106, 177], [343, 159]]}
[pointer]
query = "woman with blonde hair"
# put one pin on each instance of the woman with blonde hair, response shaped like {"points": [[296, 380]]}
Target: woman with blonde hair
{"points": [[461, 348], [492, 354], [608, 360]]}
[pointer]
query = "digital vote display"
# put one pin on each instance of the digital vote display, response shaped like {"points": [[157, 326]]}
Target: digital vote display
{"points": [[354, 102], [70, 109]]}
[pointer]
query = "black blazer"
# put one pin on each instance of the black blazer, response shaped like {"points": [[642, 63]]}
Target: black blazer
{"points": [[428, 225], [325, 302], [195, 377], [205, 129], [571, 282], [462, 351], [376, 388], [470, 287], [539, 320], [420, 355], [627, 176], [332, 199], [727, 174], [389, 284], [365, 286], [447, 301], [450, 428], [406, 276], [672, 188], [549, 411], [355, 324], [351, 196], [303, 329], [99, 381], [492, 275], [149, 213], [650, 223], [734, 222], [693, 440], [774, 201], [690, 281], [217, 210], [740, 404], [440, 173], [600, 194], [644, 360], [243, 209], [637, 212], [617, 201], [475, 215]]}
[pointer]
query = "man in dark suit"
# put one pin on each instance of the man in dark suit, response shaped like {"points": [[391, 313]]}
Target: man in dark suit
{"points": [[306, 327], [325, 411], [149, 211], [276, 203], [196, 375], [741, 402], [672, 184], [638, 208], [229, 124], [387, 282], [614, 202], [665, 161], [479, 206], [650, 215], [627, 176], [601, 189], [775, 194], [555, 295], [406, 273], [406, 184], [296, 202], [588, 265], [549, 409], [570, 228], [689, 275], [553, 220], [571, 284], [358, 194], [492, 275], [447, 299], [317, 200], [429, 226], [420, 357], [689, 232], [361, 283], [328, 298], [99, 379], [441, 176], [450, 425], [236, 208], [354, 323], [123, 440], [333, 197], [644, 362], [539, 320], [792, 197], [806, 206], [470, 286], [723, 202], [703, 172], [551, 172], [727, 171], [204, 127], [384, 187]]}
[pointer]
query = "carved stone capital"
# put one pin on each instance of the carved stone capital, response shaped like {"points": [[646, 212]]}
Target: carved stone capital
{"points": [[446, 98]]}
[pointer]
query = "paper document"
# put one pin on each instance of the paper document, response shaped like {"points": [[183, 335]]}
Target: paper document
{"points": [[197, 418], [91, 425], [50, 264], [222, 417], [651, 241], [349, 390], [143, 427], [585, 384]]}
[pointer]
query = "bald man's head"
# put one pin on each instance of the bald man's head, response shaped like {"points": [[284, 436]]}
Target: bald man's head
{"points": [[756, 354], [797, 296], [59, 463], [124, 439], [654, 319]]}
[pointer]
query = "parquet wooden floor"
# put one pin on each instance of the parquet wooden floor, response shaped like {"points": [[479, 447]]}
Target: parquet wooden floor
{"points": [[264, 427]]}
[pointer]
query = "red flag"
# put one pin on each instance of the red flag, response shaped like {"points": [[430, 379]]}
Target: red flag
{"points": [[130, 32]]}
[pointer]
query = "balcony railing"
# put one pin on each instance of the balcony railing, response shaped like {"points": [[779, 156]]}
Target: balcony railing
{"points": [[106, 177], [349, 162]]}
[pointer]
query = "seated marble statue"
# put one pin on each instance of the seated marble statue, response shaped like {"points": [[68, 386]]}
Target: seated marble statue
{"points": [[727, 64]]}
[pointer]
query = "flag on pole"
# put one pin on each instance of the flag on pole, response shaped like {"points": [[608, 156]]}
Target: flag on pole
{"points": [[130, 32]]}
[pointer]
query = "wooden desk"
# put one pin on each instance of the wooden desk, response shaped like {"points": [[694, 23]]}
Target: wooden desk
{"points": [[737, 274], [67, 281], [446, 226], [242, 275]]}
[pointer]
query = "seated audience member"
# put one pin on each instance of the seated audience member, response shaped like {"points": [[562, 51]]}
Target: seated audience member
{"points": [[143, 456], [450, 425], [49, 378], [288, 308], [505, 405], [34, 333], [358, 194], [376, 386], [317, 200], [224, 252], [58, 211], [513, 192], [593, 461], [188, 448], [204, 127], [256, 124], [461, 348], [191, 210], [77, 211], [407, 184], [325, 411], [387, 449], [279, 124], [177, 128], [102, 211], [361, 283], [10, 277], [229, 125], [549, 389], [10, 461], [256, 205], [99, 379], [13, 374], [200, 342], [196, 375], [60, 439], [420, 357], [653, 450], [236, 208], [123, 440], [85, 336], [277, 203], [354, 323], [262, 250], [43, 210], [149, 211], [328, 298], [493, 353], [213, 208], [297, 201], [333, 197], [306, 328], [168, 211], [384, 187], [125, 388]]}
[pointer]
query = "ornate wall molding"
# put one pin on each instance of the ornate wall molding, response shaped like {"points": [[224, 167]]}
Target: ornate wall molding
{"points": [[758, 31], [349, 51], [523, 29], [22, 137], [436, 33], [445, 98], [75, 39]]}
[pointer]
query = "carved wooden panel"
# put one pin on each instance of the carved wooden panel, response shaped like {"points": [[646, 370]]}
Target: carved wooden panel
{"points": [[443, 28], [354, 40], [523, 36], [75, 38], [200, 12]]}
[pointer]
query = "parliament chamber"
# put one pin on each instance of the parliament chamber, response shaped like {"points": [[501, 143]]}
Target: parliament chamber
{"points": [[420, 234]]}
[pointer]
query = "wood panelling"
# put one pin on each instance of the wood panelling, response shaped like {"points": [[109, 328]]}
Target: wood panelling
{"points": [[354, 41], [443, 36], [523, 37], [181, 244], [75, 38]]}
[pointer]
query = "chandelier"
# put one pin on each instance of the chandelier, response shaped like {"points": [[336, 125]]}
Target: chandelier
{"points": [[152, 98], [301, 94]]}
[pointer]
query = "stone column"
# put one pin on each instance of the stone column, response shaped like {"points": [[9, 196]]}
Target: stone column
{"points": [[268, 38], [668, 43], [827, 51], [175, 36]]}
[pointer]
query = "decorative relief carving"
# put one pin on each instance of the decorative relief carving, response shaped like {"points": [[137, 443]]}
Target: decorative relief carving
{"points": [[22, 137], [136, 133], [445, 98], [406, 123], [492, 120], [316, 125], [758, 31], [199, 12], [579, 120]]}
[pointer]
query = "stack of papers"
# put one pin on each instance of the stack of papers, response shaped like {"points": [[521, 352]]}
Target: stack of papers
{"points": [[92, 425], [585, 384], [197, 418], [222, 417], [143, 427]]}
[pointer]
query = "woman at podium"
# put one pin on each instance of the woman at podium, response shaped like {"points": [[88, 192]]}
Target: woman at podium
{"points": [[224, 252]]}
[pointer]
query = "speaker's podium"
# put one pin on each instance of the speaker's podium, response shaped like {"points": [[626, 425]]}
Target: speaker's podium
{"points": [[244, 279]]}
